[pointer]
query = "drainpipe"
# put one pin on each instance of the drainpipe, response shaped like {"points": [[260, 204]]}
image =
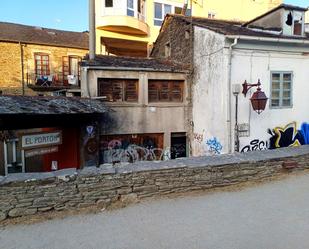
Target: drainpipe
{"points": [[92, 34], [229, 96], [22, 68]]}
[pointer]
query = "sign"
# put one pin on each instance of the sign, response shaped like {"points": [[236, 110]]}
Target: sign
{"points": [[41, 151], [40, 140]]}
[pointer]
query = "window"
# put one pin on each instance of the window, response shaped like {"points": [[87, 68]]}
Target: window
{"points": [[165, 91], [118, 90], [41, 64], [130, 8], [211, 15], [281, 89], [160, 11], [167, 50], [108, 3], [178, 10]]}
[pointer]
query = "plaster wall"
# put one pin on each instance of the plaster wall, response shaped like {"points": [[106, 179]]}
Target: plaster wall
{"points": [[251, 65], [141, 117], [209, 92]]}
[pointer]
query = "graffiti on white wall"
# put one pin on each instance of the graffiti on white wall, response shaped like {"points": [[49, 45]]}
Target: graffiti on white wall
{"points": [[286, 136], [289, 136], [255, 145], [214, 146]]}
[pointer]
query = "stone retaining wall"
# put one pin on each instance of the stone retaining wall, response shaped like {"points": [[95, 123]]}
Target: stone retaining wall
{"points": [[28, 194]]}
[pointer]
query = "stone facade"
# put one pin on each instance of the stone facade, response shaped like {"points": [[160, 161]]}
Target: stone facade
{"points": [[177, 37], [104, 186], [11, 68]]}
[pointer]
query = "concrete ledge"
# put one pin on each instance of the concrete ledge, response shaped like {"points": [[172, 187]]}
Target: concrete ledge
{"points": [[27, 194]]}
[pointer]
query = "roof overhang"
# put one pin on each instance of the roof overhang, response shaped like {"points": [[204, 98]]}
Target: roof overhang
{"points": [[269, 39]]}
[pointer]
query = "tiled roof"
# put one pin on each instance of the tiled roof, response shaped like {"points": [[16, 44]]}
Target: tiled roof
{"points": [[135, 63], [37, 35], [232, 28], [49, 105]]}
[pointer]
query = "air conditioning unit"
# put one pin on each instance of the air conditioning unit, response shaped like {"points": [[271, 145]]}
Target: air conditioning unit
{"points": [[72, 80]]}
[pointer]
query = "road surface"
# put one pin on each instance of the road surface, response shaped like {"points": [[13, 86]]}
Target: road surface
{"points": [[270, 216]]}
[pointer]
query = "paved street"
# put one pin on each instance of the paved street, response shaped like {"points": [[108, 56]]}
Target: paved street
{"points": [[271, 216]]}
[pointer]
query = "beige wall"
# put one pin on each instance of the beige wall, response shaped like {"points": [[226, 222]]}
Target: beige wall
{"points": [[10, 61], [142, 117]]}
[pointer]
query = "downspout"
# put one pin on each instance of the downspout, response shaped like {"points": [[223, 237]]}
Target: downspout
{"points": [[92, 30], [229, 96], [22, 68]]}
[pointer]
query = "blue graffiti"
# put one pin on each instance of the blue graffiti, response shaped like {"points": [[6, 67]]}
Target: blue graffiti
{"points": [[214, 146], [304, 130]]}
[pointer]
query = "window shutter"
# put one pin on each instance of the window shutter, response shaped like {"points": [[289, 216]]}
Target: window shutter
{"points": [[153, 92], [131, 91], [164, 91], [65, 69]]}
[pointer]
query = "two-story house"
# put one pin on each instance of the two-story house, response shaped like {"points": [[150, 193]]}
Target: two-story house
{"points": [[149, 99], [40, 60], [271, 49]]}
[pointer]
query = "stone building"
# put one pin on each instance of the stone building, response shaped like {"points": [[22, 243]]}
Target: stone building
{"points": [[272, 50], [40, 59], [150, 106]]}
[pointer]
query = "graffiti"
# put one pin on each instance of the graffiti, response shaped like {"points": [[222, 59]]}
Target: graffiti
{"points": [[214, 146], [287, 136], [255, 145], [134, 153], [198, 137], [305, 132]]}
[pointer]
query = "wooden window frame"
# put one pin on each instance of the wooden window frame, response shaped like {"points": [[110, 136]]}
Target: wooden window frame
{"points": [[113, 92], [161, 90], [41, 61]]}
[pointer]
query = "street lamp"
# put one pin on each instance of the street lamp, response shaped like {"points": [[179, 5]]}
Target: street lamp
{"points": [[258, 99]]}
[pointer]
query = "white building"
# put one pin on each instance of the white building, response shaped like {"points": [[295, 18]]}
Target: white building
{"points": [[273, 48]]}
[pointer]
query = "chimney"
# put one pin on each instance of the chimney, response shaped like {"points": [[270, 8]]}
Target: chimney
{"points": [[92, 29]]}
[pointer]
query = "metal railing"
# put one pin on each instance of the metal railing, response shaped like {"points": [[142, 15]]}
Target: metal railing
{"points": [[51, 80]]}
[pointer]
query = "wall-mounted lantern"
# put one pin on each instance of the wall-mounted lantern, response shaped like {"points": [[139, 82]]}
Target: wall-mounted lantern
{"points": [[258, 99]]}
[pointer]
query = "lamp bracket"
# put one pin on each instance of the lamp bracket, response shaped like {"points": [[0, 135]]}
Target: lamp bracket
{"points": [[246, 87]]}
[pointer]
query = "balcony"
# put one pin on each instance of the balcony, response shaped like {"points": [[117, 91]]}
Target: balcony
{"points": [[124, 19], [123, 24], [52, 82]]}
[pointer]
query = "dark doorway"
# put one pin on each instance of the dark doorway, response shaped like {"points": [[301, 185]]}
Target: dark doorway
{"points": [[178, 145]]}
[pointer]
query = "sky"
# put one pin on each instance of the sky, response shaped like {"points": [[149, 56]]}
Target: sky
{"points": [[60, 14]]}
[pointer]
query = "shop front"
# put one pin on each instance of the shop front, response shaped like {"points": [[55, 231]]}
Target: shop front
{"points": [[64, 135]]}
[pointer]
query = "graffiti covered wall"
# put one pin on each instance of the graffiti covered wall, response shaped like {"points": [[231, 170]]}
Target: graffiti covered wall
{"points": [[281, 136]]}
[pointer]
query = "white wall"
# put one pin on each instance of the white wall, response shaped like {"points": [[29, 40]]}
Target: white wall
{"points": [[249, 62], [252, 65], [209, 91]]}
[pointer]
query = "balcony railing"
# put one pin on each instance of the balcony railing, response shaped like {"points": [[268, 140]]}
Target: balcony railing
{"points": [[52, 82]]}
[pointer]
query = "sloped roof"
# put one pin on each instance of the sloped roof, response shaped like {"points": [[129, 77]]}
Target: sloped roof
{"points": [[281, 6], [231, 27], [49, 105], [135, 63], [37, 35]]}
